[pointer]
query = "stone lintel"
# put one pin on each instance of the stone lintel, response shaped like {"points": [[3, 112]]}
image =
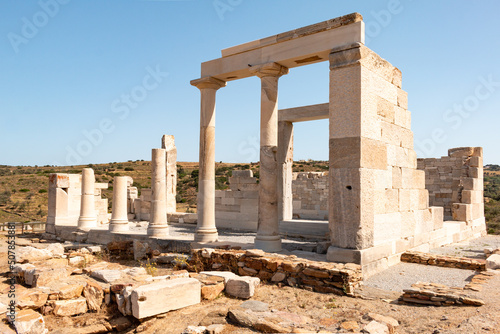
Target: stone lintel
{"points": [[293, 34], [304, 114], [300, 51], [208, 82], [359, 54]]}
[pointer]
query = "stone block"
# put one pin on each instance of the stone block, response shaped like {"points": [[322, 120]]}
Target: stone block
{"points": [[106, 275], [404, 200], [392, 200], [94, 295], [476, 162], [385, 109], [472, 196], [437, 213], [461, 212], [476, 172], [242, 287], [402, 99], [29, 322], [470, 183], [460, 152], [164, 296], [397, 178], [59, 180], [477, 210], [357, 152], [68, 308], [402, 117], [424, 221], [70, 291], [242, 173], [493, 262], [386, 227]]}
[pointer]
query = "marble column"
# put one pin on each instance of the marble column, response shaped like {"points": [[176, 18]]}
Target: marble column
{"points": [[158, 226], [268, 237], [119, 216], [206, 230], [88, 216]]}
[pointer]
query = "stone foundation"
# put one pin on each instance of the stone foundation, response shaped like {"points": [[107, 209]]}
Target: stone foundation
{"points": [[280, 269]]}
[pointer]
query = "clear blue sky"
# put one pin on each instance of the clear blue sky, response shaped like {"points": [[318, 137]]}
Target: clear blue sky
{"points": [[65, 69]]}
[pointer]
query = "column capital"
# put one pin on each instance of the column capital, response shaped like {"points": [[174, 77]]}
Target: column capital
{"points": [[208, 82], [269, 70]]}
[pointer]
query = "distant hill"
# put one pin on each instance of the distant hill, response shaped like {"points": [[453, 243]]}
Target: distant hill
{"points": [[24, 189]]}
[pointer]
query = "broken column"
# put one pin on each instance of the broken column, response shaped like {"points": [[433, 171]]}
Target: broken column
{"points": [[206, 230], [119, 216], [158, 226], [168, 143], [268, 238], [88, 216]]}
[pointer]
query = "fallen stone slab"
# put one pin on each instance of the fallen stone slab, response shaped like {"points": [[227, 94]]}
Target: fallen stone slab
{"points": [[43, 276], [242, 287], [29, 322], [493, 261], [106, 275], [215, 329], [195, 330], [32, 299], [31, 254], [161, 297], [67, 308]]}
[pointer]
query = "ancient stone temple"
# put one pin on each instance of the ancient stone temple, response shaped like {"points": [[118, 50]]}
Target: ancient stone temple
{"points": [[375, 202], [378, 202]]}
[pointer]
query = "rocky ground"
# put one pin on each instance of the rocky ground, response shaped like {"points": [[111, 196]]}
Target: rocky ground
{"points": [[280, 308]]}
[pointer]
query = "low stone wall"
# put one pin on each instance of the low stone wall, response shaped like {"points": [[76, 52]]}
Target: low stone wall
{"points": [[326, 277], [438, 295], [310, 195], [443, 261]]}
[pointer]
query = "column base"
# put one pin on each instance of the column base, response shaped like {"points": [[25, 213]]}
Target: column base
{"points": [[206, 236], [85, 223], [158, 231], [269, 244], [50, 228], [118, 226]]}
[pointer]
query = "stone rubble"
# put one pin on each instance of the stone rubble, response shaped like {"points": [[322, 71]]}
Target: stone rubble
{"points": [[29, 322]]}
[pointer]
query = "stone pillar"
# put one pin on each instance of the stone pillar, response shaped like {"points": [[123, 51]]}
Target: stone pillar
{"points": [[119, 215], [88, 216], [268, 237], [206, 230], [158, 226], [285, 170], [168, 143]]}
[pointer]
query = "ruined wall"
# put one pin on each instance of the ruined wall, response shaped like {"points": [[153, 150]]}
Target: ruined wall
{"points": [[65, 192], [455, 182], [237, 207], [310, 195]]}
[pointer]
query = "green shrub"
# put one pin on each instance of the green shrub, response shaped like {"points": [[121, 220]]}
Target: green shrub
{"points": [[24, 190], [42, 191]]}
